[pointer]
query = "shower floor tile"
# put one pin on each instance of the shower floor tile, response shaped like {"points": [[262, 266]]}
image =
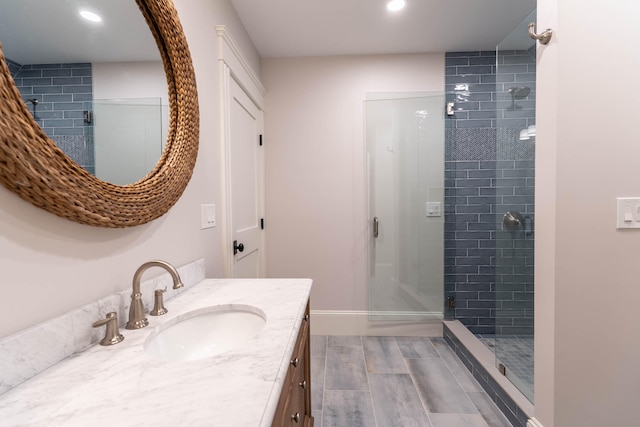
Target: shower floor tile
{"points": [[515, 352]]}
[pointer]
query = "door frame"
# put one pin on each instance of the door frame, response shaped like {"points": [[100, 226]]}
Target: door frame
{"points": [[233, 65]]}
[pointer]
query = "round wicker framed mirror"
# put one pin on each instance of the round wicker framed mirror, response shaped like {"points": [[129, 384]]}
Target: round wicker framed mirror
{"points": [[34, 168]]}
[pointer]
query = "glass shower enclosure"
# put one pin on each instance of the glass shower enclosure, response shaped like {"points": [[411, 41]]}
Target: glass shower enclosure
{"points": [[514, 206], [404, 136], [405, 148], [129, 136]]}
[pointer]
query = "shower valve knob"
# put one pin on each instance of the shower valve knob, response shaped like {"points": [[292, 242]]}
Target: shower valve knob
{"points": [[512, 220]]}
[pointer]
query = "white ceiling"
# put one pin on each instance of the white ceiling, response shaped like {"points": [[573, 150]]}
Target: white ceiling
{"points": [[49, 31], [282, 28]]}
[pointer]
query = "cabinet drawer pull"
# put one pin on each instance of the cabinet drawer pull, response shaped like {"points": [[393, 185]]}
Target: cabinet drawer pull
{"points": [[295, 362], [303, 384], [306, 317], [296, 417]]}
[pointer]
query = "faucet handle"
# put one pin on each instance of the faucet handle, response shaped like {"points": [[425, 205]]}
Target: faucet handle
{"points": [[158, 306], [112, 334]]}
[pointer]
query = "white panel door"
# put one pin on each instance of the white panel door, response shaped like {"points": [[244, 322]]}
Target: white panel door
{"points": [[246, 175]]}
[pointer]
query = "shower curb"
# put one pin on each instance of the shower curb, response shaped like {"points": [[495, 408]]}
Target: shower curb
{"points": [[480, 361]]}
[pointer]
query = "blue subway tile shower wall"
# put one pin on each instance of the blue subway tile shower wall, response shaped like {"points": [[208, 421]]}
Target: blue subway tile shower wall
{"points": [[489, 171], [63, 93]]}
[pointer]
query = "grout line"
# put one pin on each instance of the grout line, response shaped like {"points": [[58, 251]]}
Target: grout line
{"points": [[413, 382], [324, 379], [366, 372]]}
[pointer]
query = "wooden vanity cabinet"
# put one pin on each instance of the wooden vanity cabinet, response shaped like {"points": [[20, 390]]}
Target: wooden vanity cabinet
{"points": [[294, 406]]}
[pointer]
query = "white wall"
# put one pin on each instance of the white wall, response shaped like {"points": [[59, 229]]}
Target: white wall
{"points": [[50, 265], [129, 80], [587, 326], [315, 173]]}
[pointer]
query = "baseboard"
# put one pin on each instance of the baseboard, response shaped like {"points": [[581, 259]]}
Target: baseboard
{"points": [[341, 322], [534, 423]]}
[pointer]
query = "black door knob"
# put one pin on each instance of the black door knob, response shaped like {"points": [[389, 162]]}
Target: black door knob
{"points": [[237, 247]]}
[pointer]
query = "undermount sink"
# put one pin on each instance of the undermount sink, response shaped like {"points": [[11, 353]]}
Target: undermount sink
{"points": [[205, 332]]}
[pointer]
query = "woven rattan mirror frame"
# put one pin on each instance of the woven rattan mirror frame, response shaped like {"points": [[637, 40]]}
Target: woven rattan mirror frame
{"points": [[33, 167]]}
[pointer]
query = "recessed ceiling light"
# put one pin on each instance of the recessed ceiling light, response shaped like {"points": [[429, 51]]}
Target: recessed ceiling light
{"points": [[396, 5], [90, 16]]}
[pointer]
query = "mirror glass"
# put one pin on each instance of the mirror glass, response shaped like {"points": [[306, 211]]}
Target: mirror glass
{"points": [[96, 86]]}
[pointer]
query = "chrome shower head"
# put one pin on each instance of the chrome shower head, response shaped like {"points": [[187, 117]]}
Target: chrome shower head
{"points": [[519, 92]]}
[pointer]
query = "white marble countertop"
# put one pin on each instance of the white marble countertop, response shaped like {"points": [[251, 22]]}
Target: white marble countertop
{"points": [[121, 385]]}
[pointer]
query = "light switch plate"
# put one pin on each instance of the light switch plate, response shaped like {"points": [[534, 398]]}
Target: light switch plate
{"points": [[207, 216], [434, 209], [628, 212]]}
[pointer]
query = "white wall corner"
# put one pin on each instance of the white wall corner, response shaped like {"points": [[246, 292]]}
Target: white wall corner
{"points": [[534, 423]]}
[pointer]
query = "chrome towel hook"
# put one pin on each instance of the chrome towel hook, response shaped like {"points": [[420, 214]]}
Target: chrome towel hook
{"points": [[544, 37]]}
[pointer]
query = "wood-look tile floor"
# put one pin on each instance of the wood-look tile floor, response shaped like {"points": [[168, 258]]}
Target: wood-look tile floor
{"points": [[395, 382]]}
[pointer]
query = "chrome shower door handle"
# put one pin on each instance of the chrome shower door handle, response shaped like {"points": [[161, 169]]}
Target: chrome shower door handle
{"points": [[376, 226]]}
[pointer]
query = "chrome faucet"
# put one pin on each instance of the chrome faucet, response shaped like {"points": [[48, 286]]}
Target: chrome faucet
{"points": [[137, 318]]}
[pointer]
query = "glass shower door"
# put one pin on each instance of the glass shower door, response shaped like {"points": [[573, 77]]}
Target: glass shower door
{"points": [[405, 154], [129, 136], [515, 186]]}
